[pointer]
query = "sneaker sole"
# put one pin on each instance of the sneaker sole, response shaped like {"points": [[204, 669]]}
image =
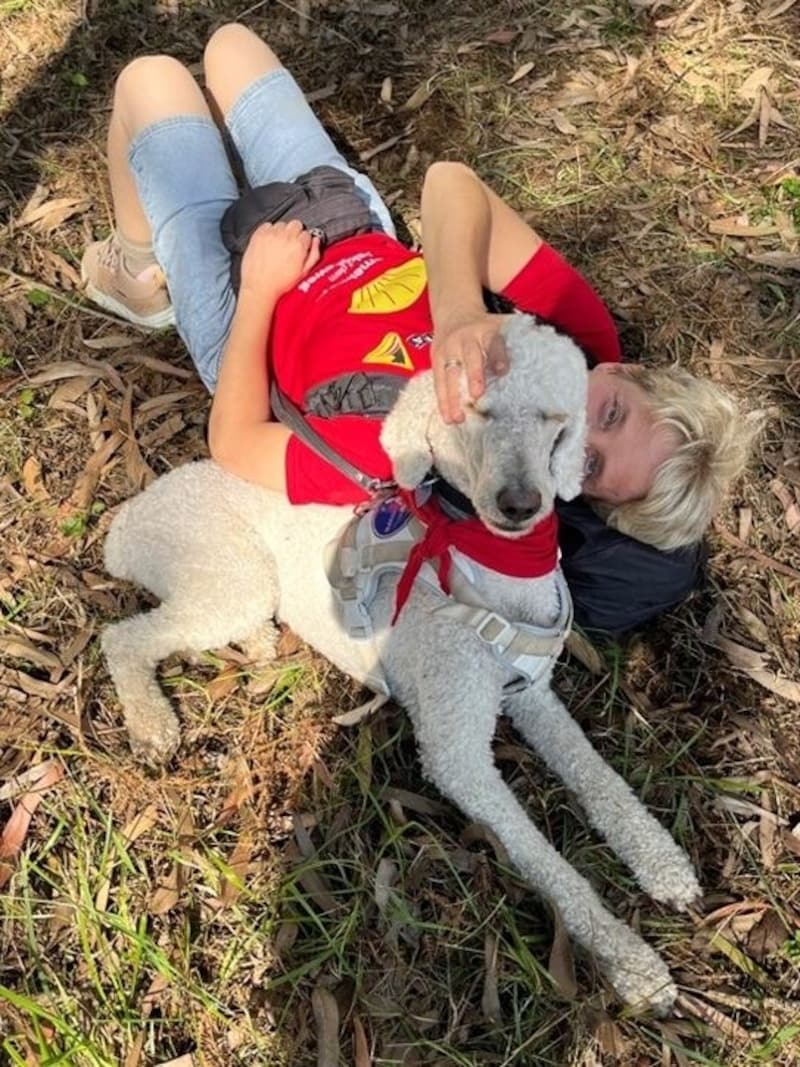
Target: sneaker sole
{"points": [[157, 321]]}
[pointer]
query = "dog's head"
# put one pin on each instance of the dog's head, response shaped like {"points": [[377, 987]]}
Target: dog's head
{"points": [[521, 444]]}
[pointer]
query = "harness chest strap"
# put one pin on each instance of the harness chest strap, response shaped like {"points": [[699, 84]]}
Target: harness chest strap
{"points": [[525, 648]]}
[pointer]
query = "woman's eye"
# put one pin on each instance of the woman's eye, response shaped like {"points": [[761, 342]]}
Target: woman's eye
{"points": [[611, 416]]}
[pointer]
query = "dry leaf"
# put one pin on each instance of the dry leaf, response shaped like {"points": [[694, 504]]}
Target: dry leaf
{"points": [[562, 124], [782, 260], [16, 829], [767, 936], [562, 963], [779, 9], [791, 511], [225, 682], [714, 1018], [521, 72], [363, 711], [168, 892], [420, 96], [502, 36], [326, 1016], [112, 341], [745, 523], [19, 783], [754, 82], [15, 646], [360, 1044], [490, 999], [584, 651], [608, 1035], [48, 216], [385, 877], [740, 227], [32, 480], [384, 146], [386, 91]]}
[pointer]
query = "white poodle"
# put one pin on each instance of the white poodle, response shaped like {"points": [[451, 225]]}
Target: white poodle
{"points": [[227, 558]]}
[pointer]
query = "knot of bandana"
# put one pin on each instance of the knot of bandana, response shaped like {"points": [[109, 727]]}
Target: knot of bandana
{"points": [[531, 556]]}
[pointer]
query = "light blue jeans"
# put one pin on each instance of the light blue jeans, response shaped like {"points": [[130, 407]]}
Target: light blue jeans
{"points": [[185, 184]]}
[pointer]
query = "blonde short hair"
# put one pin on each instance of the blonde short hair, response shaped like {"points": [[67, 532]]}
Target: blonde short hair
{"points": [[714, 440]]}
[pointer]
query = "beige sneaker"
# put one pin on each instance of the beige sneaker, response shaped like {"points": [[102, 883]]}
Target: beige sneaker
{"points": [[142, 299]]}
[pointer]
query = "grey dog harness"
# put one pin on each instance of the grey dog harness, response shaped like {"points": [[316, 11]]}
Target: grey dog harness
{"points": [[378, 543]]}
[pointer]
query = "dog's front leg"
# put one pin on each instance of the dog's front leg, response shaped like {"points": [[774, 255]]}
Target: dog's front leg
{"points": [[454, 710], [661, 867]]}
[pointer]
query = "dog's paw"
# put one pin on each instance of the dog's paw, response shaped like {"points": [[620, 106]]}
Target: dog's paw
{"points": [[641, 978], [672, 880], [157, 745]]}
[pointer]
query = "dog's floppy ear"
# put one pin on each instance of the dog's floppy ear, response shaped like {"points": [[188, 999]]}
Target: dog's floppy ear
{"points": [[567, 459], [404, 434]]}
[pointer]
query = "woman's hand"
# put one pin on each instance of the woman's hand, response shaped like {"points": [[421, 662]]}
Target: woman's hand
{"points": [[276, 258], [470, 344]]}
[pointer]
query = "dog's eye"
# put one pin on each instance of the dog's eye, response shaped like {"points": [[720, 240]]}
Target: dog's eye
{"points": [[483, 411]]}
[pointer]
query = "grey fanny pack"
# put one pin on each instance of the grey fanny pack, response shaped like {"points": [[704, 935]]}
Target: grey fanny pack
{"points": [[324, 199]]}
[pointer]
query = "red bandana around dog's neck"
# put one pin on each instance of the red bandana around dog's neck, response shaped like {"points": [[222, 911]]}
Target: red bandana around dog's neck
{"points": [[531, 556]]}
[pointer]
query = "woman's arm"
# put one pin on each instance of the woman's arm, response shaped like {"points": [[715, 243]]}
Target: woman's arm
{"points": [[472, 239], [240, 436]]}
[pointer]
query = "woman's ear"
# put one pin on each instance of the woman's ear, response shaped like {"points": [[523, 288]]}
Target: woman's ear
{"points": [[404, 435], [567, 460]]}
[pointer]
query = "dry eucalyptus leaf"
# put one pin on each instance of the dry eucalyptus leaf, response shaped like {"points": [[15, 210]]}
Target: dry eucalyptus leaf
{"points": [[16, 829], [112, 341], [18, 647], [48, 216], [33, 480], [326, 1016], [521, 72], [756, 81], [584, 651], [490, 999], [420, 96], [782, 260], [361, 1054], [740, 227], [385, 877], [562, 962], [168, 892], [562, 123], [386, 91], [363, 711]]}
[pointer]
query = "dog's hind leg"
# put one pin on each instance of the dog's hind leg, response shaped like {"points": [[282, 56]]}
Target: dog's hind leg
{"points": [[217, 583], [661, 867], [454, 720]]}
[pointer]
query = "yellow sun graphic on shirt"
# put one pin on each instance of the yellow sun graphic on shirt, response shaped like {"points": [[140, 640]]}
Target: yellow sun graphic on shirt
{"points": [[391, 352], [394, 290]]}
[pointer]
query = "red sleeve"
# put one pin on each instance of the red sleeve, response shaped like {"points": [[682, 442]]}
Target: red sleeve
{"points": [[548, 286]]}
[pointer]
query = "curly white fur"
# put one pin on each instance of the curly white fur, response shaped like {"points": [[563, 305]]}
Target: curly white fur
{"points": [[227, 558]]}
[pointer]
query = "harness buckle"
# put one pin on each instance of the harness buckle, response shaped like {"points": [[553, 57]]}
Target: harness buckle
{"points": [[495, 630]]}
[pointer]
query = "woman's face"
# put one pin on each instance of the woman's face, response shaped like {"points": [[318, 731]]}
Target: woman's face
{"points": [[624, 448]]}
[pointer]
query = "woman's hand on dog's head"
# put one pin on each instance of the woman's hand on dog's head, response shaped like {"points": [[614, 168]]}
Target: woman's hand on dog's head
{"points": [[464, 348]]}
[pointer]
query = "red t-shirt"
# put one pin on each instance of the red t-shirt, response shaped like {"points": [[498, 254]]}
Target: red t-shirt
{"points": [[366, 304]]}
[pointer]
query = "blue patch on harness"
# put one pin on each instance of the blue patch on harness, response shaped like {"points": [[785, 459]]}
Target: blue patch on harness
{"points": [[389, 517]]}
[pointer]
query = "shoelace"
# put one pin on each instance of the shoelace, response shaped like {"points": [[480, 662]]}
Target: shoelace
{"points": [[109, 254]]}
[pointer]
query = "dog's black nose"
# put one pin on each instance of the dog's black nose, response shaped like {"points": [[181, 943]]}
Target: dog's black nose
{"points": [[519, 505]]}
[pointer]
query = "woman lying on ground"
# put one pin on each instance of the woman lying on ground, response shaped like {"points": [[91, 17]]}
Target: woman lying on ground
{"points": [[662, 446]]}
